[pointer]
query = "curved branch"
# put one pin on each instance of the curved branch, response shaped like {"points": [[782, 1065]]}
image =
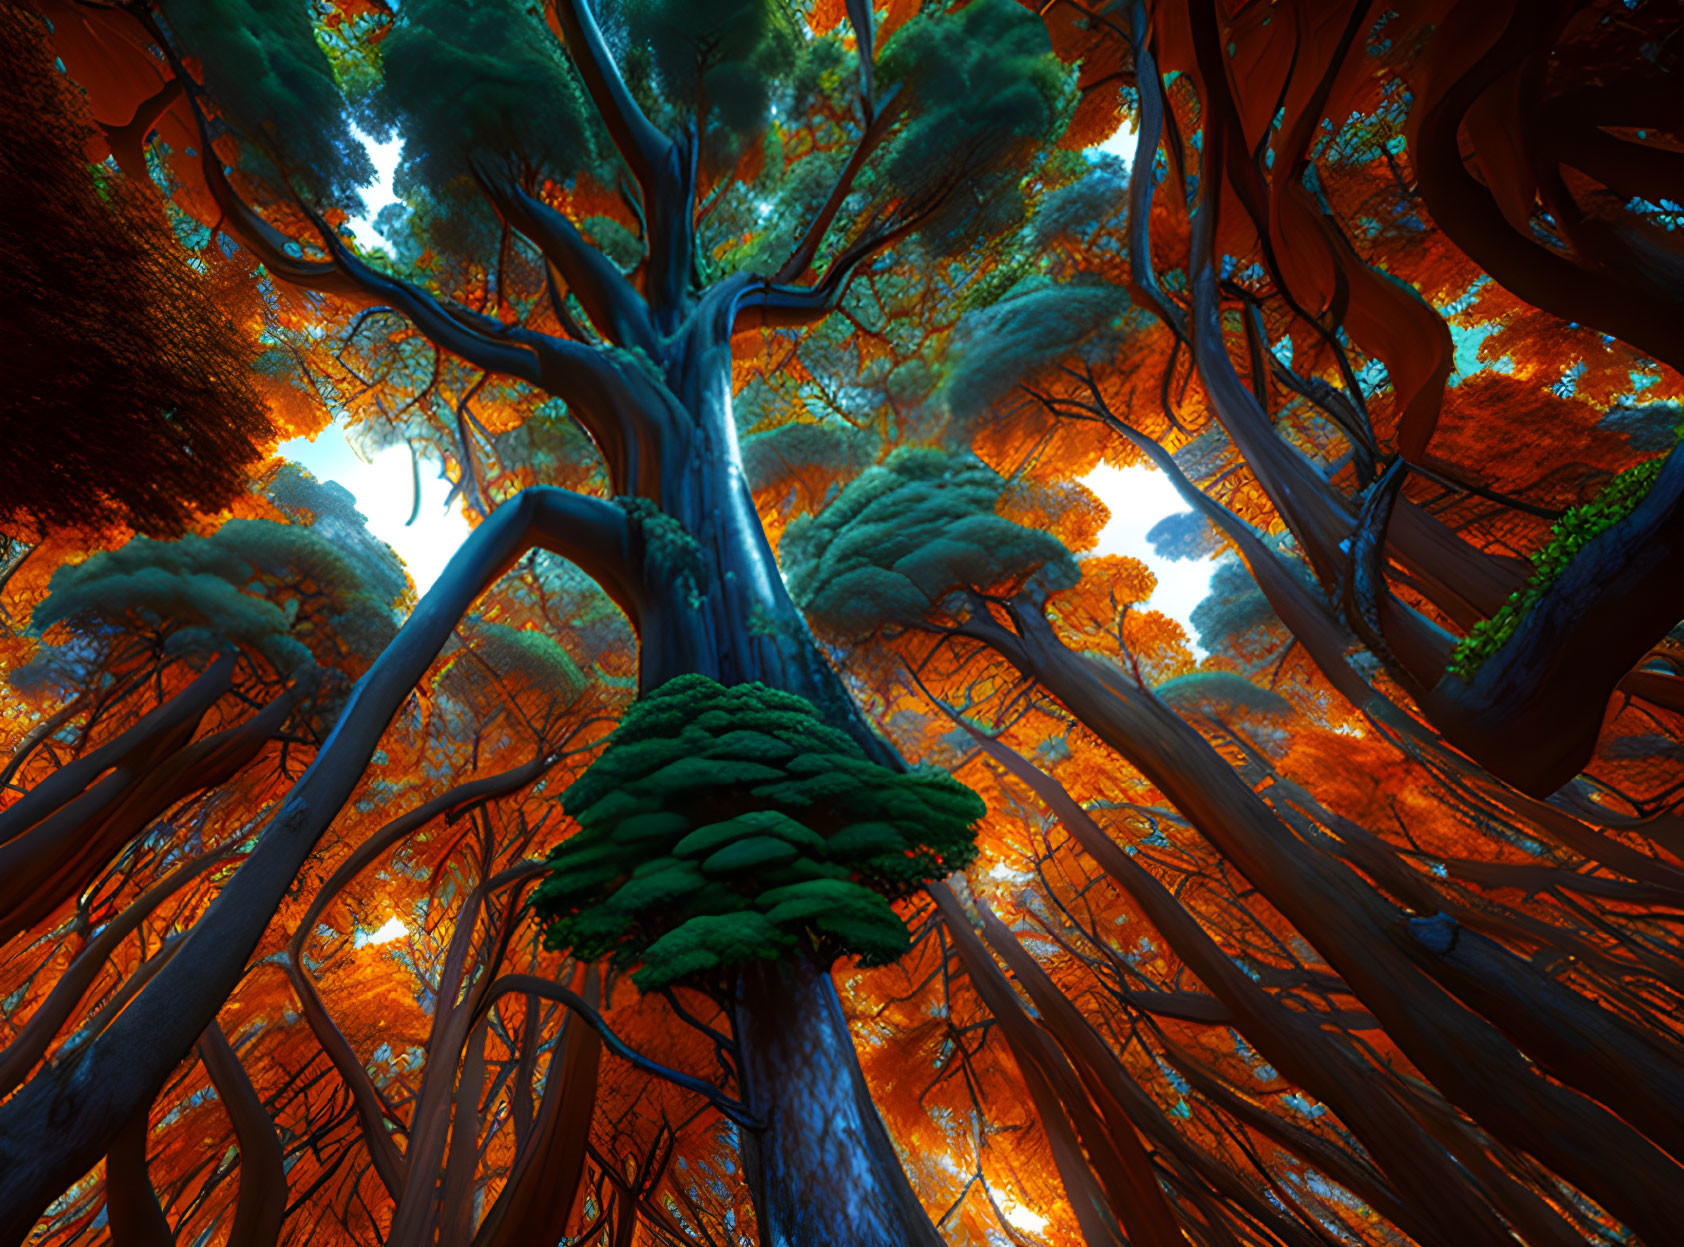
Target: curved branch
{"points": [[68, 782], [262, 1202], [131, 1201], [60, 856], [455, 329], [774, 305], [1533, 711], [32, 739], [532, 985], [31, 1041], [801, 258], [1621, 303], [389, 1164], [1369, 607], [640, 144], [249, 228], [1143, 169], [610, 301], [62, 1121]]}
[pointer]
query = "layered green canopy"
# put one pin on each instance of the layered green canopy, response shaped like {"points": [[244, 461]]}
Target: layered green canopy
{"points": [[906, 533], [725, 825]]}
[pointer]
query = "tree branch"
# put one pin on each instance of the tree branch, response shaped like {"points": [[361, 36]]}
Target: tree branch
{"points": [[773, 305], [639, 143], [61, 1122], [464, 333], [610, 301], [533, 985], [261, 1205], [801, 258]]}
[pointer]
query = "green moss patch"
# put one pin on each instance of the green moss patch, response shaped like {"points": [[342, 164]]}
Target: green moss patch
{"points": [[1575, 530]]}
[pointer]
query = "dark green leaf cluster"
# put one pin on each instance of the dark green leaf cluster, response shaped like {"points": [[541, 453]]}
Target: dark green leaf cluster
{"points": [[903, 535], [781, 455], [281, 591], [1037, 324], [274, 83], [986, 89], [1575, 530], [725, 825], [725, 55], [1224, 691], [485, 80]]}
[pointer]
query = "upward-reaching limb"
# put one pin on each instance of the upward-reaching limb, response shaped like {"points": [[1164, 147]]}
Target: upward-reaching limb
{"points": [[59, 1124], [615, 308], [641, 145]]}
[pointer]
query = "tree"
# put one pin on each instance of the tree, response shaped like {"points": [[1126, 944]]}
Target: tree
{"points": [[127, 374], [825, 847]]}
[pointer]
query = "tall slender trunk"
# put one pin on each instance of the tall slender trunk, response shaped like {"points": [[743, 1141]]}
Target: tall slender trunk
{"points": [[823, 1171]]}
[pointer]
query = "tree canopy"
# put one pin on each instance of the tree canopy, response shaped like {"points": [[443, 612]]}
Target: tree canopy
{"points": [[791, 817]]}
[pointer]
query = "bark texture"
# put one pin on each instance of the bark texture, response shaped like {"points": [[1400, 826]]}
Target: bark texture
{"points": [[823, 1168]]}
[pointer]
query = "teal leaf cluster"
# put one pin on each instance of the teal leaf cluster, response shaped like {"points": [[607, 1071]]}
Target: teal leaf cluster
{"points": [[275, 84], [725, 825], [725, 55], [986, 90], [903, 535], [485, 81], [252, 585], [1575, 530]]}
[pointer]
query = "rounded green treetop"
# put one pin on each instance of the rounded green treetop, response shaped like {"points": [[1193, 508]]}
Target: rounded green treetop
{"points": [[727, 825]]}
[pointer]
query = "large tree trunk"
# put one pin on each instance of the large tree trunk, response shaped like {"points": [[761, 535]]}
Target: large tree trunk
{"points": [[823, 1171], [738, 622]]}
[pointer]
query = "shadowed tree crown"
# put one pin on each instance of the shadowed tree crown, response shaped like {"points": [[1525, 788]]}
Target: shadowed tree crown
{"points": [[126, 394]]}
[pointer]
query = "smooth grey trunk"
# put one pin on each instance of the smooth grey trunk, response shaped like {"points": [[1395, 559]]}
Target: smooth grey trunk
{"points": [[823, 1171]]}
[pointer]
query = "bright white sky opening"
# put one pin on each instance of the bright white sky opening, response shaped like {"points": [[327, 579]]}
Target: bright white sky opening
{"points": [[1137, 497], [392, 929]]}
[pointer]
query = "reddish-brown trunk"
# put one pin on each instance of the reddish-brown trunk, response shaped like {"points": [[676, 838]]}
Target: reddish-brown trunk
{"points": [[1385, 959], [56, 859], [1446, 1212], [1131, 1194], [537, 1201], [131, 1201], [262, 1202]]}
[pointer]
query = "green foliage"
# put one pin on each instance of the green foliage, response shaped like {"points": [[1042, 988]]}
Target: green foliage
{"points": [[519, 666], [280, 591], [1235, 619], [1224, 691], [903, 535], [1100, 195], [1038, 323], [274, 83], [1575, 530], [728, 53], [986, 90], [782, 455], [723, 825], [483, 80], [669, 552]]}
